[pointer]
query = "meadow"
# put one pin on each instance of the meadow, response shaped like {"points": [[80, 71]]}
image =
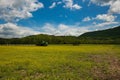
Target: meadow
{"points": [[60, 62]]}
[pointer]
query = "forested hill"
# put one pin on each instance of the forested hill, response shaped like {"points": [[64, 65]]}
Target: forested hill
{"points": [[109, 36], [109, 33]]}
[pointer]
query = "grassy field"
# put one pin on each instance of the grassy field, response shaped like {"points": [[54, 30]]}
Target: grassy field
{"points": [[60, 62]]}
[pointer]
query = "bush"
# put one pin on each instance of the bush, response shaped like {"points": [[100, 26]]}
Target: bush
{"points": [[42, 43]]}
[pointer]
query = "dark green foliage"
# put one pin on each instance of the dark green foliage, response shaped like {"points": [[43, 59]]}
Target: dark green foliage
{"points": [[103, 34], [42, 43], [109, 36]]}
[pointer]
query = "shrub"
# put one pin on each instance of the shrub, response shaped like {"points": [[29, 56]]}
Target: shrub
{"points": [[42, 43]]}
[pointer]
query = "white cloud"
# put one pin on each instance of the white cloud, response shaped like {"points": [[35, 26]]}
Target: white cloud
{"points": [[114, 8], [63, 30], [53, 5], [67, 4], [105, 24], [86, 19], [102, 25], [103, 17], [10, 30], [76, 6], [59, 2], [62, 27], [103, 2], [70, 4], [106, 17], [11, 10], [113, 4]]}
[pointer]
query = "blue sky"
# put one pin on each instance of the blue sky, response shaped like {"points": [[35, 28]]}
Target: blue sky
{"points": [[56, 17]]}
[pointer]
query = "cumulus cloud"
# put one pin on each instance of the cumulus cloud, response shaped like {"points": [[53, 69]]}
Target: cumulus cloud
{"points": [[86, 19], [102, 17], [67, 4], [74, 30], [53, 5], [114, 8], [10, 30], [63, 30], [11, 10], [70, 4], [113, 4], [106, 17]]}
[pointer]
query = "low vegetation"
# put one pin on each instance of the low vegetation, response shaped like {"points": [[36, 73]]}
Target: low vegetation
{"points": [[42, 43], [60, 62]]}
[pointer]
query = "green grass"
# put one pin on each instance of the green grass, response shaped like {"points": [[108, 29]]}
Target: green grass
{"points": [[60, 62]]}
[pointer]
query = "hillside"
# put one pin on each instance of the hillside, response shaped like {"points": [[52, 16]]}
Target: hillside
{"points": [[109, 36], [112, 33]]}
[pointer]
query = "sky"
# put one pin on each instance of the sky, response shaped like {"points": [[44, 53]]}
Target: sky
{"points": [[20, 18]]}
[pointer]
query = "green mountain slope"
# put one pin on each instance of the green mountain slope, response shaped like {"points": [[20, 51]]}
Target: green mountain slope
{"points": [[112, 33]]}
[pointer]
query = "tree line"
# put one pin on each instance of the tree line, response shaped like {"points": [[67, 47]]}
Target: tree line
{"points": [[51, 39]]}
